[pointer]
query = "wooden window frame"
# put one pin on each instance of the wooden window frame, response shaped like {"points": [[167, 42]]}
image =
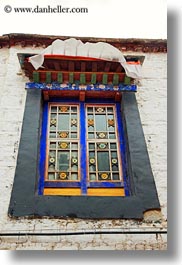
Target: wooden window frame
{"points": [[82, 186], [25, 201]]}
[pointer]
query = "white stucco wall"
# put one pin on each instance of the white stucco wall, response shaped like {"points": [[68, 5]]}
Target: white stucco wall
{"points": [[152, 102]]}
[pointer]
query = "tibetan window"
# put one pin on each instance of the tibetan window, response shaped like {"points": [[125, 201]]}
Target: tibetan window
{"points": [[84, 152]]}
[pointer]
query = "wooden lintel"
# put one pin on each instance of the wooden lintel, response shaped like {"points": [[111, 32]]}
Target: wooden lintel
{"points": [[94, 66], [71, 66], [46, 95], [82, 96], [107, 67], [83, 66], [117, 97], [57, 66], [119, 68]]}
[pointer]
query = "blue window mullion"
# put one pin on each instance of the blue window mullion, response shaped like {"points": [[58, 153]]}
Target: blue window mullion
{"points": [[83, 149], [122, 148], [43, 144]]}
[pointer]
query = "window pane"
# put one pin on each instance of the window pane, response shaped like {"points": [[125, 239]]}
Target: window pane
{"points": [[102, 140], [63, 161], [63, 150], [100, 122], [103, 161], [63, 122]]}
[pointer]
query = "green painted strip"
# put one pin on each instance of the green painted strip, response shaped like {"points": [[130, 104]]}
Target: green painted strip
{"points": [[127, 80], [36, 77], [82, 79], [48, 77], [71, 78], [105, 79], [93, 79], [115, 79], [60, 78]]}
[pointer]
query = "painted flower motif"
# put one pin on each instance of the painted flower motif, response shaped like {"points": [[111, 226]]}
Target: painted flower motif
{"points": [[51, 160], [63, 134], [100, 109], [62, 175], [74, 160], [102, 135], [92, 161], [90, 122], [114, 161], [53, 122], [63, 85], [102, 145], [82, 87], [49, 86], [63, 145], [104, 176], [63, 109], [111, 122], [74, 122]]}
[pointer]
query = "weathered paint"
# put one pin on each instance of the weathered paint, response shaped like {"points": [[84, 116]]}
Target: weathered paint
{"points": [[77, 86], [83, 149]]}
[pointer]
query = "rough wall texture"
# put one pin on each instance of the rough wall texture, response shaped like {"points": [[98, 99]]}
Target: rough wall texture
{"points": [[130, 234]]}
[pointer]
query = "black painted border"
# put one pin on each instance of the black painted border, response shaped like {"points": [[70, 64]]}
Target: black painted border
{"points": [[25, 202]]}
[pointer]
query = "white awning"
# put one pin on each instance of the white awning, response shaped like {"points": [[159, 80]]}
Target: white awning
{"points": [[100, 50]]}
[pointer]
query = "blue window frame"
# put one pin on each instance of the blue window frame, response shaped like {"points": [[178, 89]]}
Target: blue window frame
{"points": [[82, 146], [137, 173]]}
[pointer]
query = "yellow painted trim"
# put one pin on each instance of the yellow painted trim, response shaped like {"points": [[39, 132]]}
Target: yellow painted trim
{"points": [[62, 191], [90, 191], [106, 192]]}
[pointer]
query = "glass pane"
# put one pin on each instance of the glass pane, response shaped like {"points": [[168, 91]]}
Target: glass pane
{"points": [[73, 109], [74, 168], [74, 154], [100, 123], [63, 161], [73, 135], [74, 176], [113, 146], [62, 156], [92, 176], [91, 135], [114, 155], [112, 136], [115, 176], [63, 121], [90, 129], [52, 145], [91, 154], [114, 167], [53, 116], [103, 161], [92, 168], [110, 109], [52, 135], [51, 176], [74, 146], [53, 129], [91, 146], [53, 109], [90, 109]]}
